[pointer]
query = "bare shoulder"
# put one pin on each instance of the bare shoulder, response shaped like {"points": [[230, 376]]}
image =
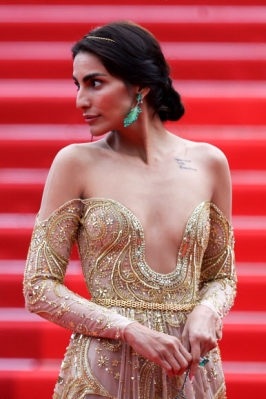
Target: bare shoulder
{"points": [[67, 156], [206, 153], [73, 153], [75, 161], [65, 179], [214, 165], [214, 160], [76, 156]]}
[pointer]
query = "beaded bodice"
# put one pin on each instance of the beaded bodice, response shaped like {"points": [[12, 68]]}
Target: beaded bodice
{"points": [[112, 250], [124, 289]]}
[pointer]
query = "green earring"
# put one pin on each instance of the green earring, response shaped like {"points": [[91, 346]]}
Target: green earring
{"points": [[134, 112]]}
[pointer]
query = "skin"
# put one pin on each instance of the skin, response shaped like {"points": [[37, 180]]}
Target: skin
{"points": [[160, 177]]}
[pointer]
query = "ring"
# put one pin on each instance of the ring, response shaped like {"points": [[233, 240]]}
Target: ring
{"points": [[203, 361]]}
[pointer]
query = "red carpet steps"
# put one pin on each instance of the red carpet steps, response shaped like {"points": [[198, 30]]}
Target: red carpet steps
{"points": [[197, 61], [168, 22], [218, 54], [198, 3]]}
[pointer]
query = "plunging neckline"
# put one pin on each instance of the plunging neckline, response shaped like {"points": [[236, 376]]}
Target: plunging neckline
{"points": [[143, 243], [151, 271]]}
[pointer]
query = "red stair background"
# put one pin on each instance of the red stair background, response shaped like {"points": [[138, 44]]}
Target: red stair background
{"points": [[217, 52]]}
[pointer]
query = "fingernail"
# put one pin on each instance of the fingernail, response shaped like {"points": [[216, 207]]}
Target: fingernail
{"points": [[192, 379]]}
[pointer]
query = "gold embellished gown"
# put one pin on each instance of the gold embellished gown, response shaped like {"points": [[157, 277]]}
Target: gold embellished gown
{"points": [[98, 362]]}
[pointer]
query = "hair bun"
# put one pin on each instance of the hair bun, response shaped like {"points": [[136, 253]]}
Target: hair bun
{"points": [[171, 107]]}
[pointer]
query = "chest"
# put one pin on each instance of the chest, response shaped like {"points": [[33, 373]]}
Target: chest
{"points": [[162, 198], [113, 232]]}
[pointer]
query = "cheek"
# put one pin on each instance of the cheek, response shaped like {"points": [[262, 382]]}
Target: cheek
{"points": [[118, 100], [109, 100]]}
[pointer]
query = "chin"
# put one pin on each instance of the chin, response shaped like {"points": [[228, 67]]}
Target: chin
{"points": [[98, 132]]}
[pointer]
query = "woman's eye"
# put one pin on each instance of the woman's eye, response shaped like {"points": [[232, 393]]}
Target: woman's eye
{"points": [[77, 85], [96, 83]]}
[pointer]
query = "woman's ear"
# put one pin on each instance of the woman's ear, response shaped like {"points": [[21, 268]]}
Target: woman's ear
{"points": [[144, 91]]}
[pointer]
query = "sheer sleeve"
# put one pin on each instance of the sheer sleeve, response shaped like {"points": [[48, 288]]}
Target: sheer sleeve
{"points": [[218, 275], [44, 291]]}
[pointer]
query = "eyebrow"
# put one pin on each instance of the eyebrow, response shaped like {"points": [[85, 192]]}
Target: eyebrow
{"points": [[90, 76]]}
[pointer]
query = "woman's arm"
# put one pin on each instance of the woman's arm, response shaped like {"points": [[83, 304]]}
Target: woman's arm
{"points": [[218, 278], [218, 275], [48, 257]]}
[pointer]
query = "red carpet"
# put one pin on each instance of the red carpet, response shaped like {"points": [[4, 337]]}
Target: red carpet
{"points": [[217, 54]]}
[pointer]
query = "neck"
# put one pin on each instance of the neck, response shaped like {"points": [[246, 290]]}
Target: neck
{"points": [[143, 139]]}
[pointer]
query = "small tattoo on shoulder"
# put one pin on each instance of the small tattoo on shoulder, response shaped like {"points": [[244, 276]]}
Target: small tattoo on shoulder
{"points": [[185, 164]]}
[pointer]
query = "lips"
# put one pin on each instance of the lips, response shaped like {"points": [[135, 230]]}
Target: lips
{"points": [[90, 118]]}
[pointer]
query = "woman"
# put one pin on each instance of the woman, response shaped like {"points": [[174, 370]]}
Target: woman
{"points": [[150, 213]]}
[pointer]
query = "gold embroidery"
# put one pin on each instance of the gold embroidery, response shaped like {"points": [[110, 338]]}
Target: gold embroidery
{"points": [[218, 265], [127, 276], [112, 250], [146, 305], [221, 393]]}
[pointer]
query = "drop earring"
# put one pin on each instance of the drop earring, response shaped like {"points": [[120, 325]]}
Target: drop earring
{"points": [[133, 114]]}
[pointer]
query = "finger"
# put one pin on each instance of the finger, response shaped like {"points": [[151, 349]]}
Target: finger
{"points": [[174, 364], [167, 365], [218, 329], [173, 367], [208, 345], [185, 341], [183, 363], [186, 355], [195, 353], [178, 360], [166, 360], [219, 335]]}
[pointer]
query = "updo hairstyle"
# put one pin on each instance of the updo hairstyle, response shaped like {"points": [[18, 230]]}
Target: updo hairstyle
{"points": [[135, 56]]}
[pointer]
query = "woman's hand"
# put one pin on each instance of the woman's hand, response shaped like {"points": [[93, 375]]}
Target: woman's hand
{"points": [[200, 334], [160, 348]]}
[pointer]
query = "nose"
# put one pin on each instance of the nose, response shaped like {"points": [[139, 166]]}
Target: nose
{"points": [[82, 100]]}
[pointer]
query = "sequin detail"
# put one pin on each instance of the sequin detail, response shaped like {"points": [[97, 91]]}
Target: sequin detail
{"points": [[111, 243]]}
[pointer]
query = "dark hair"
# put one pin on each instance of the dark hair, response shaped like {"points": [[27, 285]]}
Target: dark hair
{"points": [[134, 55]]}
